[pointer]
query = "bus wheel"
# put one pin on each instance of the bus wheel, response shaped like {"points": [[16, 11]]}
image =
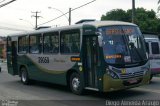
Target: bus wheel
{"points": [[76, 84], [24, 76], [151, 77]]}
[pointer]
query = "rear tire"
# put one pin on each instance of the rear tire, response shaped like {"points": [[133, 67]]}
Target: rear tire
{"points": [[76, 84], [24, 76]]}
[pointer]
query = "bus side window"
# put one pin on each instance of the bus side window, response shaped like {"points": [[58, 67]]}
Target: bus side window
{"points": [[147, 47], [55, 42], [70, 41], [46, 43], [51, 42], [155, 48], [75, 43], [75, 48], [56, 48], [65, 48], [23, 44], [34, 49], [35, 43], [45, 48]]}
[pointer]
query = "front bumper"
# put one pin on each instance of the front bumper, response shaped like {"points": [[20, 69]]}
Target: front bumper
{"points": [[110, 84]]}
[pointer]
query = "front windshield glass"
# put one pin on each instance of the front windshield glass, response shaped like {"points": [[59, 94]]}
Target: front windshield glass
{"points": [[123, 44]]}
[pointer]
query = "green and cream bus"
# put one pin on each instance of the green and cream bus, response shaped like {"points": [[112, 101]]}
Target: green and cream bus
{"points": [[101, 55]]}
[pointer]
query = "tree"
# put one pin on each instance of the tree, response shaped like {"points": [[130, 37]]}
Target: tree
{"points": [[116, 14], [145, 19]]}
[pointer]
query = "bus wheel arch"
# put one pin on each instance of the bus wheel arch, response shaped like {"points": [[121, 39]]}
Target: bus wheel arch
{"points": [[24, 75], [69, 73], [74, 82]]}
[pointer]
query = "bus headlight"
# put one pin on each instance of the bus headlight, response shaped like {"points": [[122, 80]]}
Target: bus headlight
{"points": [[112, 74]]}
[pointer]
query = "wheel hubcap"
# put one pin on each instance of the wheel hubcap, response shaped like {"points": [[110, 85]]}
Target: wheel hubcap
{"points": [[75, 83], [24, 76]]}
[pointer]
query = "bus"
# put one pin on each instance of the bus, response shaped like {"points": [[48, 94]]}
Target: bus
{"points": [[153, 49], [102, 56]]}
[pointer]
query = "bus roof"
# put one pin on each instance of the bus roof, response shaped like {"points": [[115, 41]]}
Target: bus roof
{"points": [[151, 37], [92, 23], [108, 23]]}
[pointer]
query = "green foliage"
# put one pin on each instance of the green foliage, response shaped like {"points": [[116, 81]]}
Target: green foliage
{"points": [[112, 15], [146, 20]]}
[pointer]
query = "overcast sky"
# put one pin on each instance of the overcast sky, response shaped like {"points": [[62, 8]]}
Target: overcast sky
{"points": [[11, 14]]}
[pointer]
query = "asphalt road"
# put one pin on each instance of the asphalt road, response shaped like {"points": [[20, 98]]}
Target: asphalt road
{"points": [[14, 93]]}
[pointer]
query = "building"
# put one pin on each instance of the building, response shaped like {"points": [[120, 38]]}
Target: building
{"points": [[3, 44]]}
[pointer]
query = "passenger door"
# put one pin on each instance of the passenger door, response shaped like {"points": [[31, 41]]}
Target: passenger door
{"points": [[12, 56], [90, 60]]}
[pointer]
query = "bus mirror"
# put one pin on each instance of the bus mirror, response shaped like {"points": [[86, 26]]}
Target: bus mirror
{"points": [[100, 39]]}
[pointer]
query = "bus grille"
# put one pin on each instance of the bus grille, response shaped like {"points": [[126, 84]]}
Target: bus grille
{"points": [[132, 75]]}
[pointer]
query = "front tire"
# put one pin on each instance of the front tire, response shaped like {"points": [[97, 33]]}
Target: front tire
{"points": [[76, 84], [151, 77], [24, 76]]}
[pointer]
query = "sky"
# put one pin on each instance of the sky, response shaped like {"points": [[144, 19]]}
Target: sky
{"points": [[18, 16]]}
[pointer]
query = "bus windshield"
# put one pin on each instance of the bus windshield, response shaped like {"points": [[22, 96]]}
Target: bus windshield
{"points": [[123, 44]]}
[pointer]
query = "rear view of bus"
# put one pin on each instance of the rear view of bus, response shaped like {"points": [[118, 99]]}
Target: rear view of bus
{"points": [[126, 61]]}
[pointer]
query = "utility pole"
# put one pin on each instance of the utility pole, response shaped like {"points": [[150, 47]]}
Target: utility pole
{"points": [[133, 11], [36, 16], [67, 13], [70, 16]]}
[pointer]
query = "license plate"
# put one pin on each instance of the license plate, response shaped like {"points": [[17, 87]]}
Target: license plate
{"points": [[132, 81]]}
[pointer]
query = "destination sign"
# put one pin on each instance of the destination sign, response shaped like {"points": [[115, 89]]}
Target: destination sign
{"points": [[119, 31], [113, 56]]}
